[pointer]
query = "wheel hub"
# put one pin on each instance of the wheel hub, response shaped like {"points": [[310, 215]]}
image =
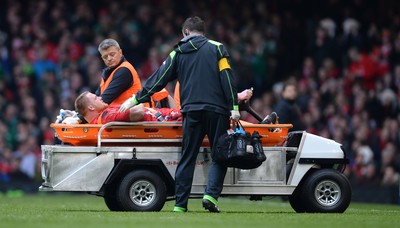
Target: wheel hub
{"points": [[142, 192], [327, 193]]}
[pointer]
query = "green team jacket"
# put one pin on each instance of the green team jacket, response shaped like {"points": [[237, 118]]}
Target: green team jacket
{"points": [[203, 71]]}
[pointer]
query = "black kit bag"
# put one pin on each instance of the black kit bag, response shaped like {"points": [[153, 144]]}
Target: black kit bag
{"points": [[240, 149]]}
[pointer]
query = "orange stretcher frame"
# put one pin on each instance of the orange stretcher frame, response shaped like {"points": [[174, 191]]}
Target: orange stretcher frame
{"points": [[149, 133]]}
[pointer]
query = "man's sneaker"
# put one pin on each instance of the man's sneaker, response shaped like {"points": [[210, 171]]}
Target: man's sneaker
{"points": [[270, 119], [211, 207], [179, 209]]}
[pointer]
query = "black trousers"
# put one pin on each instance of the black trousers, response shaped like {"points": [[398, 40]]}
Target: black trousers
{"points": [[197, 124]]}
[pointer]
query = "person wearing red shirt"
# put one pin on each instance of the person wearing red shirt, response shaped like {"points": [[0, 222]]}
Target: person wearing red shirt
{"points": [[362, 67], [96, 111]]}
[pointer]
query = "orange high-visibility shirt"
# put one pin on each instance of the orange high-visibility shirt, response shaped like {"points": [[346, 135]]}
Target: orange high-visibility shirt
{"points": [[136, 86]]}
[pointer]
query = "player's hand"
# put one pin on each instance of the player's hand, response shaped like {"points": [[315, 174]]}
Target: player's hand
{"points": [[129, 103], [235, 115]]}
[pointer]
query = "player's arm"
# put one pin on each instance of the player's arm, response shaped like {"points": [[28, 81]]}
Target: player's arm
{"points": [[158, 80]]}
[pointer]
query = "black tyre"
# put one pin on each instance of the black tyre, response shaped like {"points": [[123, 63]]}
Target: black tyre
{"points": [[112, 203], [326, 191], [110, 198], [296, 200], [142, 190]]}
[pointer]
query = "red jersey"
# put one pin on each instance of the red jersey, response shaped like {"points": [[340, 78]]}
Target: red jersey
{"points": [[111, 114]]}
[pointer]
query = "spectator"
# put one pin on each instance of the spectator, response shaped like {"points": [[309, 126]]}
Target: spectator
{"points": [[322, 47], [362, 68], [27, 160], [287, 109], [8, 165], [151, 64], [390, 169]]}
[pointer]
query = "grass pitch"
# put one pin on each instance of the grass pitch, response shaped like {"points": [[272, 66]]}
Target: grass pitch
{"points": [[81, 210]]}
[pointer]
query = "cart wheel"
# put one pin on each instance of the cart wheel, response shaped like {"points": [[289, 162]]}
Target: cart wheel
{"points": [[110, 199], [142, 190], [326, 191], [112, 203], [296, 201]]}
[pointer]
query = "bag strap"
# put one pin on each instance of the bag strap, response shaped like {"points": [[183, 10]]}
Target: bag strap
{"points": [[237, 124], [240, 124]]}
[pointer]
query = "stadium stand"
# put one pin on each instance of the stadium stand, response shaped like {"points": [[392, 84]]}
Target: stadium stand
{"points": [[343, 55]]}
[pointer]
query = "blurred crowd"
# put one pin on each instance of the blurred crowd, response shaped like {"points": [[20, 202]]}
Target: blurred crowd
{"points": [[343, 55]]}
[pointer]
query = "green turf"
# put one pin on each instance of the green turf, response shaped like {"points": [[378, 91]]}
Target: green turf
{"points": [[81, 210]]}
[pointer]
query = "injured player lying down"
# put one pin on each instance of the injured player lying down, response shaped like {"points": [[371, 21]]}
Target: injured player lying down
{"points": [[95, 111]]}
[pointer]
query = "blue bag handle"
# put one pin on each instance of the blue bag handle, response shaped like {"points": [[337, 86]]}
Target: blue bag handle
{"points": [[238, 128]]}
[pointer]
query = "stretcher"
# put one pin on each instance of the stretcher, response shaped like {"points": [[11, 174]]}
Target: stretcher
{"points": [[148, 133]]}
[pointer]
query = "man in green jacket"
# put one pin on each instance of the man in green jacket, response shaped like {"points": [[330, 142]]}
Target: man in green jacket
{"points": [[207, 97]]}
